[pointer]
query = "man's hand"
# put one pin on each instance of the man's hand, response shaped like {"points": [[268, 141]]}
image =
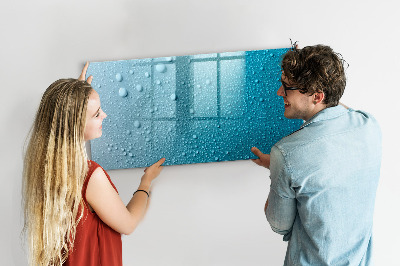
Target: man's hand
{"points": [[263, 159]]}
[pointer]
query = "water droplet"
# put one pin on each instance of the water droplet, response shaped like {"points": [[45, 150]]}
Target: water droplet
{"points": [[136, 124], [173, 97], [158, 82], [123, 92], [147, 74], [161, 68], [118, 77], [208, 81], [195, 136], [131, 72], [139, 87]]}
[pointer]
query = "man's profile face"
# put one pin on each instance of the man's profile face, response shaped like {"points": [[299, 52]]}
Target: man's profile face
{"points": [[297, 104]]}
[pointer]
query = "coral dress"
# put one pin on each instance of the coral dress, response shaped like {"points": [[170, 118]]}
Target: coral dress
{"points": [[95, 242]]}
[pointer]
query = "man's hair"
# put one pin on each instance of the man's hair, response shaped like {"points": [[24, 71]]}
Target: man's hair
{"points": [[316, 69]]}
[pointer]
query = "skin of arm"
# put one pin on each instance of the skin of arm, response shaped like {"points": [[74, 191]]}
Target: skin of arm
{"points": [[107, 204]]}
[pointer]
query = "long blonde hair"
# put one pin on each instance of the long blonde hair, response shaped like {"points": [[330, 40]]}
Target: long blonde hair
{"points": [[55, 167]]}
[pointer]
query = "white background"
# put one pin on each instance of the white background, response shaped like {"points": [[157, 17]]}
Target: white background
{"points": [[203, 214]]}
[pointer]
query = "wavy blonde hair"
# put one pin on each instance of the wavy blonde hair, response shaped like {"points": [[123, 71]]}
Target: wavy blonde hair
{"points": [[55, 167]]}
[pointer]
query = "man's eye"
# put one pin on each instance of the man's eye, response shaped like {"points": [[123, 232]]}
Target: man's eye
{"points": [[97, 115]]}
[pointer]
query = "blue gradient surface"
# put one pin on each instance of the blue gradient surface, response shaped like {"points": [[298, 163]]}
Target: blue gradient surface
{"points": [[189, 109]]}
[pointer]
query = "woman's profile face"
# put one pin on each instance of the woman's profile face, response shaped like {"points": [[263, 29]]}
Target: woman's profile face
{"points": [[94, 117]]}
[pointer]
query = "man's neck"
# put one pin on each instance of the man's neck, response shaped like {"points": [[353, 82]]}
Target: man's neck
{"points": [[318, 108]]}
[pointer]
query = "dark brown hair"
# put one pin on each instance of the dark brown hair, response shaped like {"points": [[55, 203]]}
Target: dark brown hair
{"points": [[316, 69]]}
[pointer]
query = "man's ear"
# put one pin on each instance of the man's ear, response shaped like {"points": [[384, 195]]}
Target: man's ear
{"points": [[318, 97]]}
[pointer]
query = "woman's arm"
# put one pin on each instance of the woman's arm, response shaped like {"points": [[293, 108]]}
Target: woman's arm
{"points": [[108, 205]]}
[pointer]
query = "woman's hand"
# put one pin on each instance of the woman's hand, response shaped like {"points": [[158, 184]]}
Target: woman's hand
{"points": [[263, 159], [151, 172], [83, 74]]}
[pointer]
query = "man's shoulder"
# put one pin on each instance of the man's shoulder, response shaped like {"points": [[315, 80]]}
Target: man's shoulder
{"points": [[312, 132], [293, 142]]}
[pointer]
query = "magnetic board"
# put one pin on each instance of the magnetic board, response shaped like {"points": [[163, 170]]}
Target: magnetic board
{"points": [[189, 109]]}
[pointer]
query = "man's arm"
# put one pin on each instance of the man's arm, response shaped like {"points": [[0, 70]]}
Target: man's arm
{"points": [[280, 208]]}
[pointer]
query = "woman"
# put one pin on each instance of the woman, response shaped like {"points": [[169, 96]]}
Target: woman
{"points": [[73, 213]]}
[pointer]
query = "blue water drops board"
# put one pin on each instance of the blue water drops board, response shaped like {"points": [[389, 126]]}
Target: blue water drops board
{"points": [[189, 109]]}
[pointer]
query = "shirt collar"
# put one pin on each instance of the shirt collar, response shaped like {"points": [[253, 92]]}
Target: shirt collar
{"points": [[326, 114]]}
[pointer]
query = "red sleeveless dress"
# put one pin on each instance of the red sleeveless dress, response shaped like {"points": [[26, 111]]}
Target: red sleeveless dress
{"points": [[95, 242]]}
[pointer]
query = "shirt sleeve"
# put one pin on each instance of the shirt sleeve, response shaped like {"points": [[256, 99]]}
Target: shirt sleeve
{"points": [[281, 210]]}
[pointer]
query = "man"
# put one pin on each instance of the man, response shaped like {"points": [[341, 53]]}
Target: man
{"points": [[323, 176]]}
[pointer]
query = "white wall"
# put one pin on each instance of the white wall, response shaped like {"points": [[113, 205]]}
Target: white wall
{"points": [[203, 214]]}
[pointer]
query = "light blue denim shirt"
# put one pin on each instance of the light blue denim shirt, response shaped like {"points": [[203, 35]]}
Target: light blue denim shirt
{"points": [[323, 183]]}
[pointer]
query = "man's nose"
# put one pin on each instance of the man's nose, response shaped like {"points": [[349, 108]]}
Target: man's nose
{"points": [[280, 91]]}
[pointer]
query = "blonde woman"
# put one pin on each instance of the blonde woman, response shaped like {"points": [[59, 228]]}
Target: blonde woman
{"points": [[73, 213]]}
